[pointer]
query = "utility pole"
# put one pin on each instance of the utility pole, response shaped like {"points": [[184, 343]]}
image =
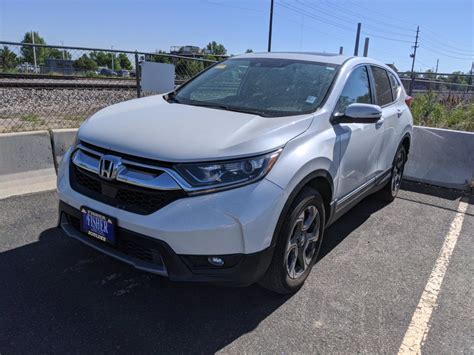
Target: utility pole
{"points": [[413, 55], [366, 46], [270, 27], [469, 82], [112, 53], [437, 63], [62, 44], [341, 50], [356, 48], [34, 48]]}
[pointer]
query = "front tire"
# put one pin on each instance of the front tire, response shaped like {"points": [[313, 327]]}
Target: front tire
{"points": [[298, 243], [390, 191]]}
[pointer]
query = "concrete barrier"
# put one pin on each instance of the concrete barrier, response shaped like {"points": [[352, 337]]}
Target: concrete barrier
{"points": [[62, 139], [441, 157], [26, 163], [27, 160]]}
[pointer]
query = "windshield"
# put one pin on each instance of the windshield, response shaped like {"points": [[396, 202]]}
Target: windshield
{"points": [[264, 86]]}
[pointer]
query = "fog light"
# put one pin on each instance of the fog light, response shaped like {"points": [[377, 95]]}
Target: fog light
{"points": [[214, 260]]}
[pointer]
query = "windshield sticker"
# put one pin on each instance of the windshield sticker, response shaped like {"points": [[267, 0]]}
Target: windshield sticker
{"points": [[220, 66], [311, 99], [329, 68]]}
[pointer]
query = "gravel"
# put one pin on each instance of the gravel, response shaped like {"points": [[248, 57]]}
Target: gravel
{"points": [[23, 109]]}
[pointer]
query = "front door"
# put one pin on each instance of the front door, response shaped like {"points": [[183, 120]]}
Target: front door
{"points": [[360, 143]]}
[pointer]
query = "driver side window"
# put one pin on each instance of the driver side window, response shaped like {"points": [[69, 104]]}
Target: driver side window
{"points": [[356, 90]]}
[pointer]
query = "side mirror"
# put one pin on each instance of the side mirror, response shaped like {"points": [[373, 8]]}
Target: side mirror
{"points": [[358, 113]]}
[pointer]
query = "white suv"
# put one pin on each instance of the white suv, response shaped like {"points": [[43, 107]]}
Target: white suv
{"points": [[233, 177]]}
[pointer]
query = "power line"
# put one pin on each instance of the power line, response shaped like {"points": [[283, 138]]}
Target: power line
{"points": [[311, 15], [439, 46], [433, 50], [351, 20], [315, 29], [359, 15], [426, 29]]}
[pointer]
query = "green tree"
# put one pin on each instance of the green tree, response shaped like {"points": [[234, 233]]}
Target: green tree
{"points": [[160, 58], [249, 51], [27, 51], [216, 48], [102, 59], [57, 53], [124, 62], [186, 68], [85, 63], [42, 53], [457, 78], [8, 59]]}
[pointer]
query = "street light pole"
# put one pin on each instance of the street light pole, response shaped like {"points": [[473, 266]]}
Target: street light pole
{"points": [[270, 27]]}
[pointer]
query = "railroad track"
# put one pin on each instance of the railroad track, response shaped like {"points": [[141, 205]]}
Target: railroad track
{"points": [[47, 81], [61, 77], [62, 85]]}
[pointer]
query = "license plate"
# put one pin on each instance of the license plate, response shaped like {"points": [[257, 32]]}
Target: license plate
{"points": [[97, 225]]}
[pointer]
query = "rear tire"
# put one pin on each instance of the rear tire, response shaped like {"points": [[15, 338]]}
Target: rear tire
{"points": [[390, 190], [298, 243]]}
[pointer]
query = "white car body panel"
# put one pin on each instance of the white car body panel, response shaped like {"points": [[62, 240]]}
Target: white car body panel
{"points": [[155, 129], [240, 220]]}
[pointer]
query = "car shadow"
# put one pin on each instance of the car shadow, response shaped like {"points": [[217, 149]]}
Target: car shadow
{"points": [[61, 296], [349, 222]]}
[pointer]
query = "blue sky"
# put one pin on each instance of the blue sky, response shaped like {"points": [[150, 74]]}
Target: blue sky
{"points": [[446, 26]]}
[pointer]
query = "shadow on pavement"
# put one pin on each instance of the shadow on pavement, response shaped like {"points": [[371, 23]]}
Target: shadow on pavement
{"points": [[350, 221], [60, 296]]}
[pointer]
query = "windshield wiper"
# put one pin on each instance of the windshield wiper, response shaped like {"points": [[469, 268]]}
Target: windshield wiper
{"points": [[230, 108], [171, 97]]}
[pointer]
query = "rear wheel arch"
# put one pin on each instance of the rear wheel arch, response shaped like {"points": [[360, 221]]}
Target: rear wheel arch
{"points": [[406, 141]]}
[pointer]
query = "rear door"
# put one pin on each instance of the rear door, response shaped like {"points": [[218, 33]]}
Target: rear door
{"points": [[360, 143], [387, 92]]}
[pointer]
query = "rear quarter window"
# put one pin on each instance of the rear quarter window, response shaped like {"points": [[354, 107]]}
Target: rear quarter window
{"points": [[396, 86], [383, 88]]}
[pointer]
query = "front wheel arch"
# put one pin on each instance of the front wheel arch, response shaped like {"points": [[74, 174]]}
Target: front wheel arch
{"points": [[322, 181]]}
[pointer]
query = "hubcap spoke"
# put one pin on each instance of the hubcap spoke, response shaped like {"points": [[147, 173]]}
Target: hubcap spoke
{"points": [[301, 245]]}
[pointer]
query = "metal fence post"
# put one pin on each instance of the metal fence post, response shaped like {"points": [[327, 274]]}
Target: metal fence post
{"points": [[138, 74]]}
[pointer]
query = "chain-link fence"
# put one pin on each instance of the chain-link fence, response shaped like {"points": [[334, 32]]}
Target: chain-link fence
{"points": [[44, 87]]}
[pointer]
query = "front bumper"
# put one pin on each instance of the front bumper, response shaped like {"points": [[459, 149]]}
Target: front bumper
{"points": [[236, 221], [156, 256]]}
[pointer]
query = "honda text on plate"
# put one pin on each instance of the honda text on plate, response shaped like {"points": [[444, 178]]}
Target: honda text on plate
{"points": [[233, 177]]}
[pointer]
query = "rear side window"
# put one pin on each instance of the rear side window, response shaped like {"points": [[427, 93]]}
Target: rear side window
{"points": [[356, 90], [383, 88], [396, 86]]}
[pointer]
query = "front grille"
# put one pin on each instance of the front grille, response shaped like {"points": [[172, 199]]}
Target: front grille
{"points": [[131, 245], [120, 195]]}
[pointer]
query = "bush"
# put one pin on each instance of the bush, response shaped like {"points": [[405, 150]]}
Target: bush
{"points": [[432, 111]]}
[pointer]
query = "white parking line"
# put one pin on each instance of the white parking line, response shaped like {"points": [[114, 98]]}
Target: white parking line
{"points": [[420, 322]]}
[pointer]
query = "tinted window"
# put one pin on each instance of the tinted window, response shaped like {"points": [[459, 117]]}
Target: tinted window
{"points": [[266, 86], [356, 90], [383, 89], [395, 86]]}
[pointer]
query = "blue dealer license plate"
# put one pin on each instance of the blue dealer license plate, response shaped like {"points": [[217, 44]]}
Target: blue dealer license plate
{"points": [[98, 225]]}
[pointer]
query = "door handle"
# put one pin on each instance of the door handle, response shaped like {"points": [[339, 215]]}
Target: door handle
{"points": [[399, 113]]}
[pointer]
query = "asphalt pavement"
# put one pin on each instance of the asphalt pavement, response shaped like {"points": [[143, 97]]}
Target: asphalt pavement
{"points": [[58, 295]]}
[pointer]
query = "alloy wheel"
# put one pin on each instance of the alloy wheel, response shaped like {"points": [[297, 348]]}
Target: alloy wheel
{"points": [[397, 173], [303, 241]]}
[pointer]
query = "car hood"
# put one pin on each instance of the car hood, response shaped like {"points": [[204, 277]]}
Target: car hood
{"points": [[153, 128]]}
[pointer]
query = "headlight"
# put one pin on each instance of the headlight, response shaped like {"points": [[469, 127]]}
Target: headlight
{"points": [[216, 175]]}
